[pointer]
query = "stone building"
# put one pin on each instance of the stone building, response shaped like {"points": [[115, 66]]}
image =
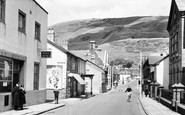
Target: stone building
{"points": [[176, 31]]}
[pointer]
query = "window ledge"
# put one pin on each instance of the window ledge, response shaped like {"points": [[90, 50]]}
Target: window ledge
{"points": [[20, 30]]}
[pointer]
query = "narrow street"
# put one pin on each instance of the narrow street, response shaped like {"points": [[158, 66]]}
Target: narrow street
{"points": [[111, 103]]}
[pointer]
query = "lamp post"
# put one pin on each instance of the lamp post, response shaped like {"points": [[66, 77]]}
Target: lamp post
{"points": [[140, 73], [140, 92]]}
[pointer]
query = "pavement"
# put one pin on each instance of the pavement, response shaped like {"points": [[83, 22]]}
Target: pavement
{"points": [[41, 108], [153, 107], [149, 106]]}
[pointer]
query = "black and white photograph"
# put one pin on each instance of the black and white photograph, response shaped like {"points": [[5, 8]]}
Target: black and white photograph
{"points": [[92, 57]]}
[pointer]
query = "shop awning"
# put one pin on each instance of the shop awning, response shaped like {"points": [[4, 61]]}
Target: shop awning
{"points": [[79, 79]]}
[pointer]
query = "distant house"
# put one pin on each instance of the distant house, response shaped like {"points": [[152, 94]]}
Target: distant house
{"points": [[176, 30], [64, 69], [161, 72], [99, 79], [56, 70], [149, 71]]}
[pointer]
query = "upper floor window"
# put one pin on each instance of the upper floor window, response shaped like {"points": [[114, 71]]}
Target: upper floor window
{"points": [[2, 10], [37, 31], [22, 22]]}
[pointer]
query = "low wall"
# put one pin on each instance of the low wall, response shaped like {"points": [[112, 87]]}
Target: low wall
{"points": [[5, 101], [35, 97], [166, 102], [32, 98], [181, 109], [50, 94]]}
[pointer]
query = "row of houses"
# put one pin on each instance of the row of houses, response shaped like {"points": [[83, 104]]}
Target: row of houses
{"points": [[28, 57], [75, 72], [164, 76]]}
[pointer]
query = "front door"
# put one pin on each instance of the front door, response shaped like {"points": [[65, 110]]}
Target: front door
{"points": [[15, 78]]}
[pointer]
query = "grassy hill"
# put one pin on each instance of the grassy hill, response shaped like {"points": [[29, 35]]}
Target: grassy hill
{"points": [[119, 36]]}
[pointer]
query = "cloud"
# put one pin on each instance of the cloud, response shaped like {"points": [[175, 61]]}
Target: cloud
{"points": [[65, 10]]}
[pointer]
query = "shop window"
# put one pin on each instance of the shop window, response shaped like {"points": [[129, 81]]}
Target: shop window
{"points": [[22, 22], [5, 75], [37, 31], [36, 76], [2, 10]]}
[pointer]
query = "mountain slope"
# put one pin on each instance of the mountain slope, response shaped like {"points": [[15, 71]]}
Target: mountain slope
{"points": [[121, 35]]}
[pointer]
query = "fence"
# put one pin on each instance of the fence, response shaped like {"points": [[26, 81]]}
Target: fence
{"points": [[158, 91], [167, 94], [182, 99]]}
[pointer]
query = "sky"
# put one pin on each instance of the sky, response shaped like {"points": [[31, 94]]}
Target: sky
{"points": [[68, 10]]}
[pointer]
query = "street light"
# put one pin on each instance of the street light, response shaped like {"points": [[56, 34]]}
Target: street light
{"points": [[140, 93]]}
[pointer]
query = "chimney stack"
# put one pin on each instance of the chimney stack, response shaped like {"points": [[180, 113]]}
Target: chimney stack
{"points": [[51, 34], [92, 47], [64, 44]]}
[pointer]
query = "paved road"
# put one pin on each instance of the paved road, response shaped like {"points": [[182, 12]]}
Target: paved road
{"points": [[112, 103]]}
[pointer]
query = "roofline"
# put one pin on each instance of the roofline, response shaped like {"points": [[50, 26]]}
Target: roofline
{"points": [[95, 65], [161, 59], [57, 46], [40, 6], [75, 55], [63, 49], [170, 13]]}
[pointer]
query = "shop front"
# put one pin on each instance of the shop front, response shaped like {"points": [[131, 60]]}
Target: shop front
{"points": [[76, 85], [88, 87], [11, 72]]}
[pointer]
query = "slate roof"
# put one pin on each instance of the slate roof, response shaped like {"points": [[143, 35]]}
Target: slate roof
{"points": [[63, 49], [84, 54], [153, 59], [180, 5]]}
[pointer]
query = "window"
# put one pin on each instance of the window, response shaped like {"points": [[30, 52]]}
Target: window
{"points": [[37, 31], [36, 77], [22, 22], [5, 75], [2, 10]]}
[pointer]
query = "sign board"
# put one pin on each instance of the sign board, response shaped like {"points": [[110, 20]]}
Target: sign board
{"points": [[45, 54]]}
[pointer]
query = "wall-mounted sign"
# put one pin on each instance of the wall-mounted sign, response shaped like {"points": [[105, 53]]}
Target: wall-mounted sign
{"points": [[45, 54]]}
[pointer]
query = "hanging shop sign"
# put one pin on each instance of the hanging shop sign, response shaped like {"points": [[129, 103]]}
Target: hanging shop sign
{"points": [[45, 54]]}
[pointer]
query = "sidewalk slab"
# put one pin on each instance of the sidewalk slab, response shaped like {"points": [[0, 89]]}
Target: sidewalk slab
{"points": [[152, 107], [41, 108], [35, 109]]}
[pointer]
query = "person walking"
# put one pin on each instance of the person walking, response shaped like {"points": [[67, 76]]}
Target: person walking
{"points": [[15, 97], [56, 94], [22, 96], [128, 90]]}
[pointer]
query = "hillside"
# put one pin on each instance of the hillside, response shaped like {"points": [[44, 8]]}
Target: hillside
{"points": [[121, 35]]}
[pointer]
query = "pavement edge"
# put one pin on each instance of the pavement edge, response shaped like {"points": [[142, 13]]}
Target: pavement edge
{"points": [[49, 110], [141, 106]]}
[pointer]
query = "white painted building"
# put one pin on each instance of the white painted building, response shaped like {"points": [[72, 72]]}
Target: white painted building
{"points": [[23, 35], [161, 72], [56, 70], [99, 78], [124, 78]]}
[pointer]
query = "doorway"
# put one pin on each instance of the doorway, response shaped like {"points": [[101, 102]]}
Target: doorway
{"points": [[15, 78]]}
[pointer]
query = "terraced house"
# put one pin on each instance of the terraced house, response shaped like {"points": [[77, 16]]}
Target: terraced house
{"points": [[23, 35], [176, 26]]}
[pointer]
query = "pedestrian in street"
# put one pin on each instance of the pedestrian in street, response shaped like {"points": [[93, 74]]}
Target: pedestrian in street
{"points": [[146, 92], [22, 96], [128, 90], [56, 94], [15, 97]]}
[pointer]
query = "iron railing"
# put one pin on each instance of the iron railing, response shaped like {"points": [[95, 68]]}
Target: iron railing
{"points": [[167, 94], [182, 99]]}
